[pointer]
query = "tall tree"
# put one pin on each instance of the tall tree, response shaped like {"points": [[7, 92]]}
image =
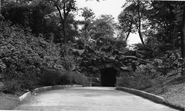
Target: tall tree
{"points": [[131, 18], [139, 22], [88, 15], [102, 27], [165, 19], [64, 7], [183, 36], [1, 5]]}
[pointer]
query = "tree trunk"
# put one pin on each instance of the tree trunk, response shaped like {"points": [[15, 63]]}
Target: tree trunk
{"points": [[139, 23], [183, 41], [183, 36], [85, 39], [64, 31], [1, 5], [130, 28], [0, 9], [63, 21]]}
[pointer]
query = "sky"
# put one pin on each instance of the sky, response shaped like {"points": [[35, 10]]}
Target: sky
{"points": [[112, 7]]}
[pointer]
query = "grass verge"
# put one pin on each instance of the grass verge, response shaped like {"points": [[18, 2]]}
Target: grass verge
{"points": [[7, 101], [173, 91]]}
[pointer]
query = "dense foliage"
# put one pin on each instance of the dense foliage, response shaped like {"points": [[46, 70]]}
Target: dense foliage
{"points": [[24, 57], [39, 45], [162, 28]]}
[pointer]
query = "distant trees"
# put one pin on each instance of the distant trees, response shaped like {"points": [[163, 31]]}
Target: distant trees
{"points": [[88, 15], [131, 19], [102, 27], [42, 18], [1, 4], [66, 6], [157, 21]]}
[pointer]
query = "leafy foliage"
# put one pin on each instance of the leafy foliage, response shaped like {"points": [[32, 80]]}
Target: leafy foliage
{"points": [[102, 27], [30, 55], [22, 55], [40, 18], [74, 78]]}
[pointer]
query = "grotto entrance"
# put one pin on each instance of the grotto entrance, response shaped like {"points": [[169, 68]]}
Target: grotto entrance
{"points": [[108, 77]]}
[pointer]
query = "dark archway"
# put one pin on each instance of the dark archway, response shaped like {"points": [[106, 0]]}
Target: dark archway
{"points": [[108, 76]]}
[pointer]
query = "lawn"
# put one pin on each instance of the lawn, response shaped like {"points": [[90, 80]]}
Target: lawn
{"points": [[7, 101], [175, 91]]}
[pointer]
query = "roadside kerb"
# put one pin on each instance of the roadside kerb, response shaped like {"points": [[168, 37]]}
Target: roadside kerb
{"points": [[42, 89], [152, 97]]}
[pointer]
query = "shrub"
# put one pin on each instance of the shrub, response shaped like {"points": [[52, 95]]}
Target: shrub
{"points": [[23, 55], [11, 87], [126, 82], [140, 79], [55, 77], [146, 77], [69, 77], [49, 77], [24, 59], [19, 81], [157, 85]]}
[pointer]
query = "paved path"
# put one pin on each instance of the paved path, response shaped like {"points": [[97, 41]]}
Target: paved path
{"points": [[90, 99]]}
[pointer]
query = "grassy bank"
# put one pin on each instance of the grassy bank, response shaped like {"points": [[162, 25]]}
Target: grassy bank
{"points": [[173, 90], [7, 101]]}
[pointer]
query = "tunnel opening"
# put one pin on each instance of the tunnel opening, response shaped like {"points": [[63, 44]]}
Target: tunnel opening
{"points": [[108, 77]]}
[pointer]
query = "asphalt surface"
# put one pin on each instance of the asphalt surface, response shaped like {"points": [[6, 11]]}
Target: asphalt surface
{"points": [[90, 99]]}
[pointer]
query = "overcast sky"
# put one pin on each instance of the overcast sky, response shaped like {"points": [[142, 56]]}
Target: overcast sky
{"points": [[112, 7]]}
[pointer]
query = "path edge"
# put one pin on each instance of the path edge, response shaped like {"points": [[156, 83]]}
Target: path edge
{"points": [[150, 96], [28, 94]]}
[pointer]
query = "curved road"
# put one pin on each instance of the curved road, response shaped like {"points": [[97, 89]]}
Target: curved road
{"points": [[90, 99]]}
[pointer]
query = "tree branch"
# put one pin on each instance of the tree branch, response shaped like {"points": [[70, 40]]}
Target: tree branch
{"points": [[130, 28], [58, 8], [139, 23]]}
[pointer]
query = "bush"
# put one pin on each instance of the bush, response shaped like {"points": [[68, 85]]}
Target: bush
{"points": [[146, 77], [140, 79], [49, 77], [15, 81], [11, 87], [69, 77], [134, 82], [157, 85], [22, 55], [126, 82], [24, 59]]}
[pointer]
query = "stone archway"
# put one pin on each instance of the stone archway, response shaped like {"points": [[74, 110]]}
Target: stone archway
{"points": [[108, 76]]}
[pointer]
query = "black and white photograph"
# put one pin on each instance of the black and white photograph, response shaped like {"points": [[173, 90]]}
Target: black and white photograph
{"points": [[92, 55]]}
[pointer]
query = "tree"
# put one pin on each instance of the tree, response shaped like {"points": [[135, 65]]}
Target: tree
{"points": [[139, 22], [41, 18], [163, 17], [130, 18], [183, 36], [1, 5], [64, 7], [88, 15], [103, 27], [126, 20]]}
